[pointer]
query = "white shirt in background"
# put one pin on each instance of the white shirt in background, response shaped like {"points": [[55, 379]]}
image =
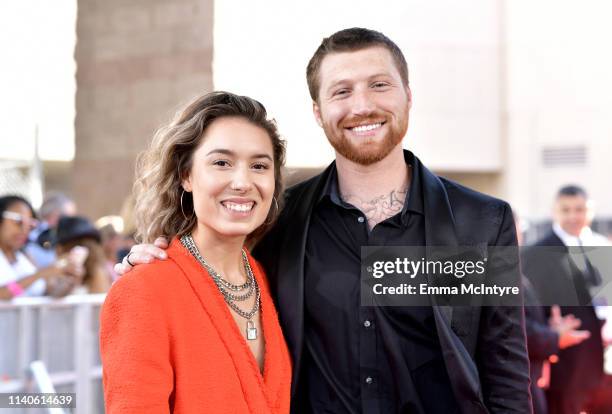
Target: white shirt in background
{"points": [[12, 272]]}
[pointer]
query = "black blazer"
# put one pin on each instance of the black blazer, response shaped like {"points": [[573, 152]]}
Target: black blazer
{"points": [[484, 347], [580, 366], [542, 342]]}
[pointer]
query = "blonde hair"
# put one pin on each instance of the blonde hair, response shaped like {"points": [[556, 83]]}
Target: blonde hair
{"points": [[159, 209]]}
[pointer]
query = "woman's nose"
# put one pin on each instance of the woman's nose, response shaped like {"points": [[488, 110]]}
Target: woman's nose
{"points": [[241, 181]]}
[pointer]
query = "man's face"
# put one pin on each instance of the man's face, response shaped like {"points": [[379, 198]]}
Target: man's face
{"points": [[362, 105], [68, 209], [572, 213]]}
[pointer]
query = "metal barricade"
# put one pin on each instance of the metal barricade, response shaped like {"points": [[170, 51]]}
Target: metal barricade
{"points": [[63, 334]]}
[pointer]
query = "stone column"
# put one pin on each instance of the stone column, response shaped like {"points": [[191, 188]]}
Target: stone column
{"points": [[137, 62]]}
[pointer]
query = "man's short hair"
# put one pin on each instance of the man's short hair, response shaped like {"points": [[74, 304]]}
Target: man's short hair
{"points": [[572, 191], [53, 202], [351, 40]]}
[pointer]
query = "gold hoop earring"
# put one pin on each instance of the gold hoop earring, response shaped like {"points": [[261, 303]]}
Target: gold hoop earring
{"points": [[267, 222], [182, 209], [276, 204]]}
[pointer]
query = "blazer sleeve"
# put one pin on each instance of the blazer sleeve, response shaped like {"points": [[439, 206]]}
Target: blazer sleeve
{"points": [[542, 341], [135, 349], [501, 348]]}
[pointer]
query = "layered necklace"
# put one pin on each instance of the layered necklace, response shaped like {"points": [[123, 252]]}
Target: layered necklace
{"points": [[231, 293]]}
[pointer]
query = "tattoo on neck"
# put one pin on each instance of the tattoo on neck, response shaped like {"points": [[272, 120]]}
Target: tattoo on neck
{"points": [[379, 208]]}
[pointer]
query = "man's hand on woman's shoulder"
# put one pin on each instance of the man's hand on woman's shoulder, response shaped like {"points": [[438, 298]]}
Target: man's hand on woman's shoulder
{"points": [[143, 253]]}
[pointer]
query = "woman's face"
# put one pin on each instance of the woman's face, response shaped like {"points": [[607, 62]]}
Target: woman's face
{"points": [[232, 178], [16, 224]]}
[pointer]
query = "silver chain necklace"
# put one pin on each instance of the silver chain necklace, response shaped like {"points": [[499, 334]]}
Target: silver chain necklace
{"points": [[223, 286]]}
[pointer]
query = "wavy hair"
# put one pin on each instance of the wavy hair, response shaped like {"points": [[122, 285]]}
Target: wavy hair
{"points": [[159, 209]]}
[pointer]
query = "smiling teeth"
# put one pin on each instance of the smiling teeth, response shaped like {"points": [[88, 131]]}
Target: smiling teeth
{"points": [[364, 128], [238, 207]]}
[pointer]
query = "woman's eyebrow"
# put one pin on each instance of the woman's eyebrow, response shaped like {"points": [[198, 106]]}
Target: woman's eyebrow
{"points": [[232, 153]]}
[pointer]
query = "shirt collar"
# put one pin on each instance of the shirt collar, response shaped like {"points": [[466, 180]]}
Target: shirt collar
{"points": [[414, 197], [568, 239]]}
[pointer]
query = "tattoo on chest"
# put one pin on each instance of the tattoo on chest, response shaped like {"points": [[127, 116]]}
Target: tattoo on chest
{"points": [[379, 208]]}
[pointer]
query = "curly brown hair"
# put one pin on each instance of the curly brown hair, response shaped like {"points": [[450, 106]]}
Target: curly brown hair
{"points": [[160, 169]]}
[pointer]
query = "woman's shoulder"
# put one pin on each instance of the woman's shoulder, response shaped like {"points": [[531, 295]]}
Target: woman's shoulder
{"points": [[155, 277]]}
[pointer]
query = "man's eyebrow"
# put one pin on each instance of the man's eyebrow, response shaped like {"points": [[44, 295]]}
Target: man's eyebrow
{"points": [[379, 75], [232, 153], [348, 81]]}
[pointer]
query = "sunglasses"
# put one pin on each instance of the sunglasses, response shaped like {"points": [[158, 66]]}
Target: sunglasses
{"points": [[29, 223]]}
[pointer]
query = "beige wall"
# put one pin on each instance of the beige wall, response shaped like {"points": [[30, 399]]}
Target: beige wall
{"points": [[559, 83], [136, 63], [494, 84], [453, 53]]}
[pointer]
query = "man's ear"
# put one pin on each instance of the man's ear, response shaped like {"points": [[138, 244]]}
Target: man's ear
{"points": [[316, 110], [409, 94]]}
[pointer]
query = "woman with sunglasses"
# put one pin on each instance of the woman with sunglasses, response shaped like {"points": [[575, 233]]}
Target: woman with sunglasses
{"points": [[18, 276]]}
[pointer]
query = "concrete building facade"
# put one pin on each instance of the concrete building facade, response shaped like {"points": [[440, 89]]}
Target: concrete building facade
{"points": [[137, 62]]}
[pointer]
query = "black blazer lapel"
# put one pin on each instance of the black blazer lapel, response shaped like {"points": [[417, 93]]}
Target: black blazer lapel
{"points": [[290, 272], [440, 231]]}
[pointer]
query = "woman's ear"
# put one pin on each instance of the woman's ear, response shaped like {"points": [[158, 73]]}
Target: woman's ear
{"points": [[186, 182]]}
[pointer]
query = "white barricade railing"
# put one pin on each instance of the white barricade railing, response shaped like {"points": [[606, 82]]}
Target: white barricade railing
{"points": [[63, 334]]}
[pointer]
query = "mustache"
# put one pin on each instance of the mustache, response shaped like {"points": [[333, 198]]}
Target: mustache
{"points": [[363, 120]]}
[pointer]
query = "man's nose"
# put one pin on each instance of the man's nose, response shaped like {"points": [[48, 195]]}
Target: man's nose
{"points": [[362, 103]]}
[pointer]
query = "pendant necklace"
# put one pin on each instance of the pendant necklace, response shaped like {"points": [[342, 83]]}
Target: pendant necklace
{"points": [[231, 293]]}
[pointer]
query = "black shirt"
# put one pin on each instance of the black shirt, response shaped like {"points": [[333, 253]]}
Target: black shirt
{"points": [[366, 359]]}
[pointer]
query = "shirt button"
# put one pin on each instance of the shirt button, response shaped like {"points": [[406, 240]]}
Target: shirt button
{"points": [[360, 219], [369, 380], [367, 324]]}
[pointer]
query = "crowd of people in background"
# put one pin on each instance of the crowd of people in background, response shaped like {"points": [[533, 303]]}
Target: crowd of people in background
{"points": [[54, 251]]}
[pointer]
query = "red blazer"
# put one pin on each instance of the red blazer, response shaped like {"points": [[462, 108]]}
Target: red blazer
{"points": [[169, 344]]}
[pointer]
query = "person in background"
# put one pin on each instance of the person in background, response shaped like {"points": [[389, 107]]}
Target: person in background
{"points": [[567, 278], [129, 240], [40, 240], [112, 243], [79, 231], [18, 275], [545, 337]]}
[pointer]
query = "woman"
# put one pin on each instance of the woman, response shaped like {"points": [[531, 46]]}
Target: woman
{"points": [[199, 332], [79, 231], [18, 276]]}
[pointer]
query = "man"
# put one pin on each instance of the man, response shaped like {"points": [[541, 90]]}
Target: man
{"points": [[561, 276], [545, 337], [353, 359], [39, 246]]}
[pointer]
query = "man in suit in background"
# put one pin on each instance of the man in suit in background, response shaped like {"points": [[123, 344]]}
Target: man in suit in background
{"points": [[561, 277], [545, 337]]}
